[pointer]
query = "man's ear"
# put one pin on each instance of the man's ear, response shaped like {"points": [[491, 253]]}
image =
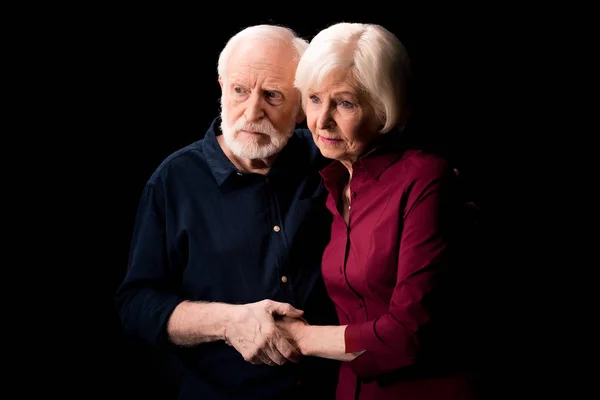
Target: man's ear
{"points": [[220, 82]]}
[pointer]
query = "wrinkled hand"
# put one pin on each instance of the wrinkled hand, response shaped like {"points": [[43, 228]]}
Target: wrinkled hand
{"points": [[253, 333], [291, 329]]}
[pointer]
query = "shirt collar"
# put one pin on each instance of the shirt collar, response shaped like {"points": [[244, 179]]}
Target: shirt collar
{"points": [[291, 158], [372, 165], [220, 166]]}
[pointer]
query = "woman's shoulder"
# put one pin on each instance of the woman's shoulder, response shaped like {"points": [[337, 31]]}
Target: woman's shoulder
{"points": [[422, 162]]}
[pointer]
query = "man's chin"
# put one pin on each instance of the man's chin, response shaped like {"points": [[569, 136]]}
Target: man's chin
{"points": [[254, 155], [251, 150]]}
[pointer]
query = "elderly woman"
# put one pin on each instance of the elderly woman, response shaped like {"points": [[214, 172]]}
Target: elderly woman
{"points": [[392, 208]]}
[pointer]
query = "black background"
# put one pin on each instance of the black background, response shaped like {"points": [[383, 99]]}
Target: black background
{"points": [[143, 83]]}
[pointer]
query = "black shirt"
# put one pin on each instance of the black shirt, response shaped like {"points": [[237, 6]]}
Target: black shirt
{"points": [[206, 231]]}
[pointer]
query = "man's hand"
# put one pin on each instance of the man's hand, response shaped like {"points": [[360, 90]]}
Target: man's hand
{"points": [[253, 333]]}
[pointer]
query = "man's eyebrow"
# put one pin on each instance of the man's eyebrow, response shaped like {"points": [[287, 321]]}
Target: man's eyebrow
{"points": [[274, 88]]}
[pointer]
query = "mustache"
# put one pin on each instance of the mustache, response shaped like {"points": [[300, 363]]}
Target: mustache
{"points": [[262, 126]]}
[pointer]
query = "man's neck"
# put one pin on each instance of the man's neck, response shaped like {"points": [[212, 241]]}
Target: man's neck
{"points": [[254, 166]]}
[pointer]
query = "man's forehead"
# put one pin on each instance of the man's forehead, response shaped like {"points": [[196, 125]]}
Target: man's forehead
{"points": [[261, 54], [264, 45], [256, 68]]}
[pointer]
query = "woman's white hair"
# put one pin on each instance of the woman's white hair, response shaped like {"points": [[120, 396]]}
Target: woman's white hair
{"points": [[373, 55], [264, 33]]}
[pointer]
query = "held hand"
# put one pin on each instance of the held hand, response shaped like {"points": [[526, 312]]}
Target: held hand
{"points": [[292, 329], [253, 333]]}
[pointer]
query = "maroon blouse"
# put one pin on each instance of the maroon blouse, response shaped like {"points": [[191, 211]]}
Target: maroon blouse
{"points": [[379, 268]]}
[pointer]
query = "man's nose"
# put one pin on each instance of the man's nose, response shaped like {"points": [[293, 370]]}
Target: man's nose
{"points": [[254, 110]]}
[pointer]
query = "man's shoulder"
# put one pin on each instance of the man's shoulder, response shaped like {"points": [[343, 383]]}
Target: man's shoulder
{"points": [[188, 157], [179, 158]]}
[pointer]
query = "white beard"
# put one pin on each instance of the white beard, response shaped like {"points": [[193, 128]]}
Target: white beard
{"points": [[254, 147]]}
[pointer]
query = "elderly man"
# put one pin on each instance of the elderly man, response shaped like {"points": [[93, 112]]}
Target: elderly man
{"points": [[229, 235]]}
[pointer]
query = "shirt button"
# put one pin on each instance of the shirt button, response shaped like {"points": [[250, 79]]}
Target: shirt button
{"points": [[284, 279], [276, 228], [239, 173]]}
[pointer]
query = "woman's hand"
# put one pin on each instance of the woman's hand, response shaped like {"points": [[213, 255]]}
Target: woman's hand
{"points": [[294, 330]]}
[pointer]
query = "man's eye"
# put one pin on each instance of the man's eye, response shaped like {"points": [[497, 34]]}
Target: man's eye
{"points": [[273, 95]]}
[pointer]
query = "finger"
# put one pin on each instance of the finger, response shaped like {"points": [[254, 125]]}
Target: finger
{"points": [[258, 358], [263, 358], [276, 307], [269, 349], [286, 320], [287, 349], [275, 357]]}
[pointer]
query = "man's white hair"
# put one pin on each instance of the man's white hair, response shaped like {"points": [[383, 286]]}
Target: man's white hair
{"points": [[373, 55], [264, 33], [257, 148]]}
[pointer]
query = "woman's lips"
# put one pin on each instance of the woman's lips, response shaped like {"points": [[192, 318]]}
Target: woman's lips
{"points": [[329, 141]]}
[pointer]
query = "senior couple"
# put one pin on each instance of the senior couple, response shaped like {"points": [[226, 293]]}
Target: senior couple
{"points": [[274, 262]]}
